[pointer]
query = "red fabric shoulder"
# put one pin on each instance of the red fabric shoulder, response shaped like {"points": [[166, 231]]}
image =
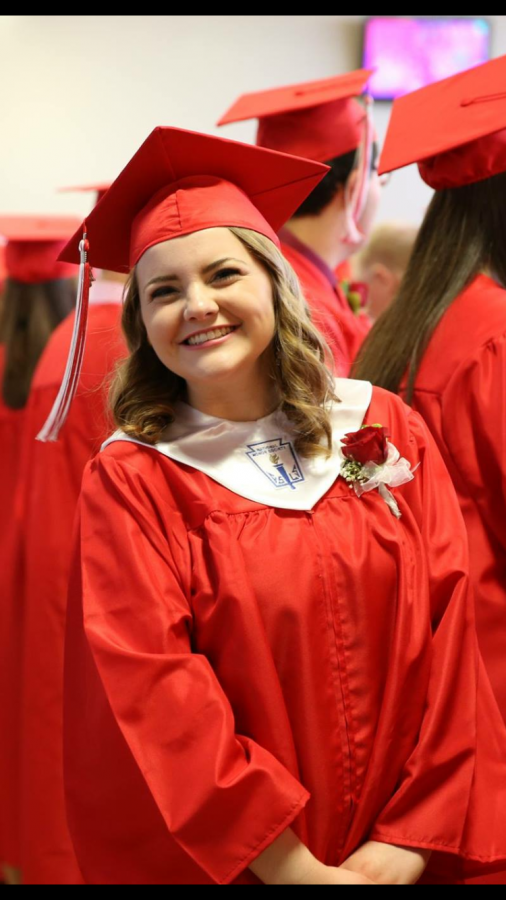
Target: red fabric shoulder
{"points": [[476, 316]]}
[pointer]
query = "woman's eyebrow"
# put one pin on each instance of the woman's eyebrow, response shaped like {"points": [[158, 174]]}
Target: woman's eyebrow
{"points": [[220, 262], [205, 270]]}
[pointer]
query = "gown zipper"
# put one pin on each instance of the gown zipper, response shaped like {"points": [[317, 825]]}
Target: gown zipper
{"points": [[334, 637]]}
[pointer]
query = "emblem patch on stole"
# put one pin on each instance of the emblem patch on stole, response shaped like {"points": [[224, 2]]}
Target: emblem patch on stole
{"points": [[278, 462]]}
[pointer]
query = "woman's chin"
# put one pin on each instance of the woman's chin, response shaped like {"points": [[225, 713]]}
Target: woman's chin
{"points": [[213, 370]]}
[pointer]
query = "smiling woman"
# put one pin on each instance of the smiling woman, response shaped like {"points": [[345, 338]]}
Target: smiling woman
{"points": [[270, 354], [269, 677]]}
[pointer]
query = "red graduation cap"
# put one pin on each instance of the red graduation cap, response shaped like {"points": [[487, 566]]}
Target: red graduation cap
{"points": [[177, 183], [316, 119], [455, 129], [99, 189], [181, 181], [33, 243]]}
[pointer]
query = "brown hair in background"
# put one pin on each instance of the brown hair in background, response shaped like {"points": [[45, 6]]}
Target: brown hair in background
{"points": [[30, 313], [462, 234]]}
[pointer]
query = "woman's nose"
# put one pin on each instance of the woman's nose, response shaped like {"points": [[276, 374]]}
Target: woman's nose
{"points": [[200, 303]]}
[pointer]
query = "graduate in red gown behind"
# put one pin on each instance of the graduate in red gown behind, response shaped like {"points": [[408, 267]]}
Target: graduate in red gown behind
{"points": [[442, 344], [52, 481], [39, 292], [271, 664], [323, 120]]}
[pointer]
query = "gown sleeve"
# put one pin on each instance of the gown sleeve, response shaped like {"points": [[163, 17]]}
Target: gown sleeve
{"points": [[474, 431], [223, 798], [451, 795]]}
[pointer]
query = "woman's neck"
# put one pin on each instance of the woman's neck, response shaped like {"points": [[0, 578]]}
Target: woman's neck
{"points": [[242, 398]]}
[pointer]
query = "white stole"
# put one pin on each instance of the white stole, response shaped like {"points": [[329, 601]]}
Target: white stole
{"points": [[258, 460]]}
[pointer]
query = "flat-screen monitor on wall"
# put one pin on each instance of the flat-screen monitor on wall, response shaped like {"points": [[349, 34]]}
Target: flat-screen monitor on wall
{"points": [[409, 53]]}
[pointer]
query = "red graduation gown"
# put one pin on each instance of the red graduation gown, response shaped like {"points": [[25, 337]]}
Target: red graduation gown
{"points": [[52, 475], [330, 311], [244, 668], [11, 427], [460, 391]]}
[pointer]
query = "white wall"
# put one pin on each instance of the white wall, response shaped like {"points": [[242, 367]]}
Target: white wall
{"points": [[80, 93]]}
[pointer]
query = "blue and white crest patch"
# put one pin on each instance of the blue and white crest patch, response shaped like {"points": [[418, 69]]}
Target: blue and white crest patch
{"points": [[278, 462]]}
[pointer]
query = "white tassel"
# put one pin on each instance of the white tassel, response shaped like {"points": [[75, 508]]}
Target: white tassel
{"points": [[68, 387]]}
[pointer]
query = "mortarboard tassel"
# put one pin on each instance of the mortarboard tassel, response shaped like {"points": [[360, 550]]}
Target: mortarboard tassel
{"points": [[61, 406], [355, 201]]}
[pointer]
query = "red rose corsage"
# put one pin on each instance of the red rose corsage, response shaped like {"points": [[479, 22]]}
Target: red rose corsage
{"points": [[371, 461]]}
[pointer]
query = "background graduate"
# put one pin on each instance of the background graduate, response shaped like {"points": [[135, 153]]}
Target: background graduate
{"points": [[323, 120], [39, 293], [378, 268], [442, 344], [51, 480]]}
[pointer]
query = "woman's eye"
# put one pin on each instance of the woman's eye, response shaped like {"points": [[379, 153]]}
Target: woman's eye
{"points": [[225, 274], [163, 291]]}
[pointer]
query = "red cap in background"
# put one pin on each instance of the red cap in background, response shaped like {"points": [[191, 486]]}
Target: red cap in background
{"points": [[455, 129], [316, 119], [33, 243]]}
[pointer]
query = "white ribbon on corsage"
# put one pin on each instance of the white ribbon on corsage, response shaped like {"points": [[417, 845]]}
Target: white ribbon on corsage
{"points": [[393, 472]]}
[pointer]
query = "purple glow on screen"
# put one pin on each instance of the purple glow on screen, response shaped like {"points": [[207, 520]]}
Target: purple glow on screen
{"points": [[410, 53]]}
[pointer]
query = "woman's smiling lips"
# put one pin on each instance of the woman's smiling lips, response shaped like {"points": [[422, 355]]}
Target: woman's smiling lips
{"points": [[202, 342]]}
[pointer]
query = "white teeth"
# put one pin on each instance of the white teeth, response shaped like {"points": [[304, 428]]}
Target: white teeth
{"points": [[210, 335]]}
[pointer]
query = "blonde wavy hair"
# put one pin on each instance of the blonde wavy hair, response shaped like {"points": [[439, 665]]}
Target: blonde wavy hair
{"points": [[144, 391]]}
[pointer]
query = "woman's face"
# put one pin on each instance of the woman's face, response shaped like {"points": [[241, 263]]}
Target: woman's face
{"points": [[207, 305]]}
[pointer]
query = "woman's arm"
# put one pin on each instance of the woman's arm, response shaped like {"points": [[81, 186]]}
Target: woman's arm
{"points": [[388, 863]]}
